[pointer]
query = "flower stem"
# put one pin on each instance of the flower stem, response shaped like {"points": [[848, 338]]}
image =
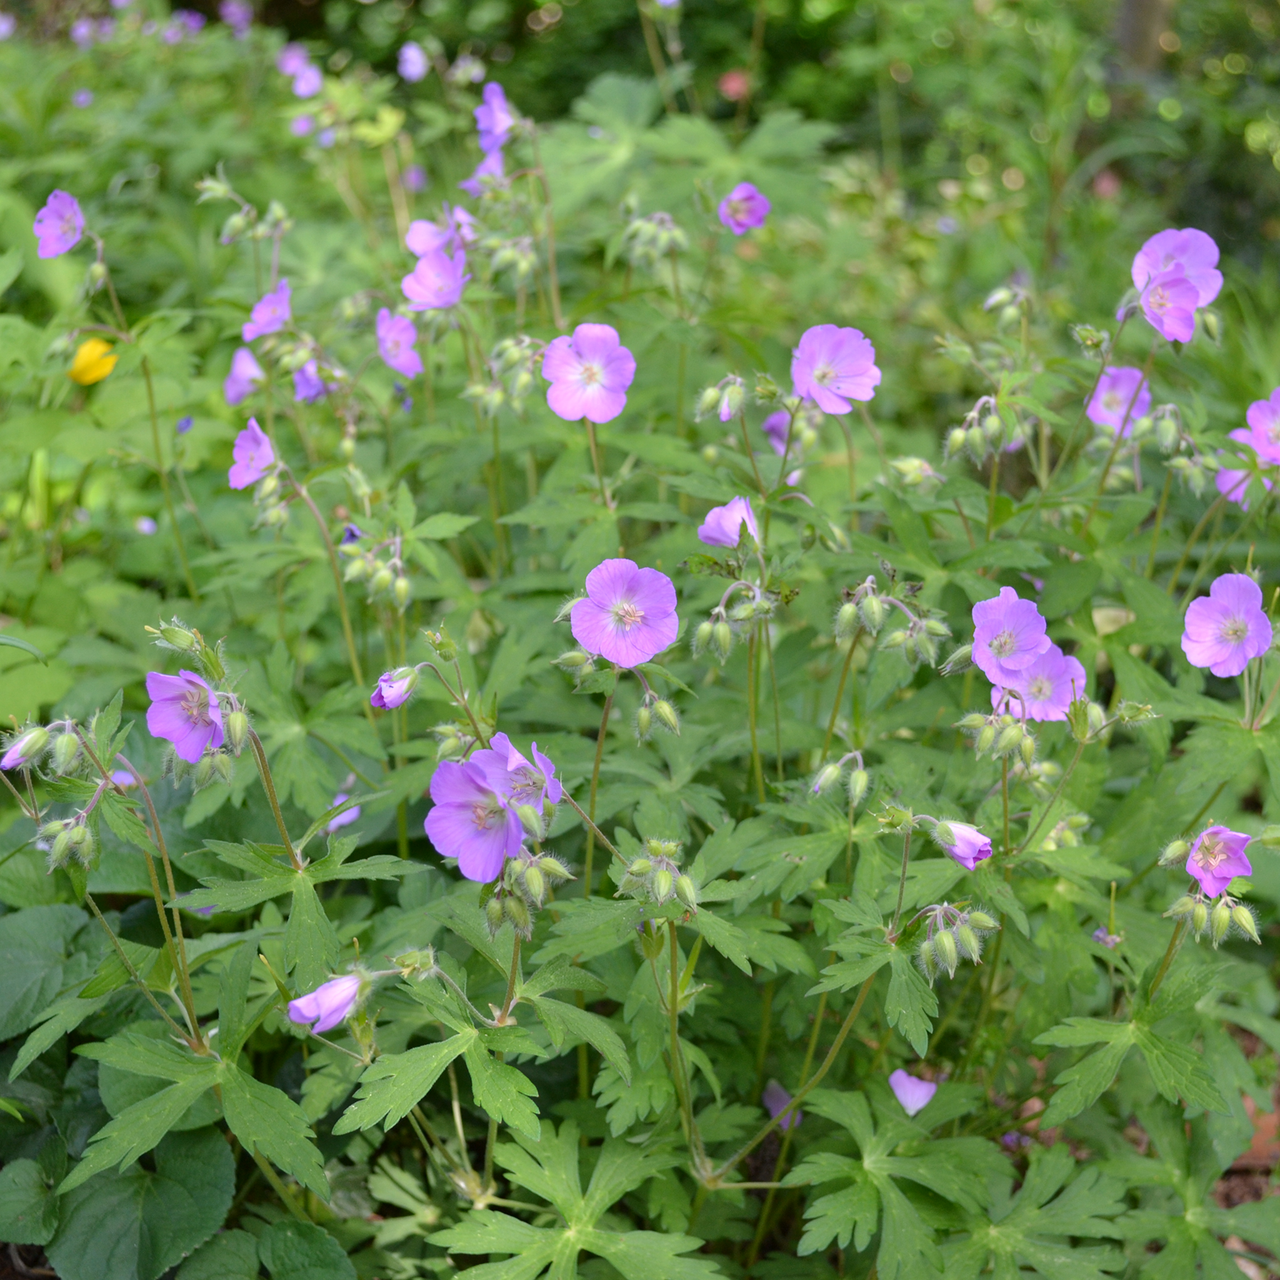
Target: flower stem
{"points": [[268, 783], [553, 276], [1171, 951], [835, 706], [1119, 440], [777, 704], [1062, 786], [595, 460], [902, 882], [1192, 540], [591, 802], [1155, 531], [163, 472], [1004, 799], [277, 1185], [751, 458], [753, 677], [511, 981]]}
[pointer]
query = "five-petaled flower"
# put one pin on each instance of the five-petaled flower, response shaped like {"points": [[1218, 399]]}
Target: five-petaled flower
{"points": [[436, 282], [1008, 636], [743, 208], [1217, 857], [412, 62], [1121, 397], [522, 781], [394, 687], [723, 525], [185, 711], [968, 846], [270, 313], [913, 1093], [589, 374], [245, 376], [328, 1004], [58, 226], [1169, 303], [1045, 689], [1263, 435], [834, 366], [253, 455], [472, 820], [308, 385], [628, 615], [396, 338], [494, 118], [1228, 627], [1192, 253]]}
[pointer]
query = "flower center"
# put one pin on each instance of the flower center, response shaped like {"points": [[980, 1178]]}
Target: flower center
{"points": [[1003, 644], [1234, 630], [737, 210], [1040, 689], [590, 374], [627, 615], [482, 814], [824, 375], [1211, 853], [1158, 299], [1111, 401], [195, 706]]}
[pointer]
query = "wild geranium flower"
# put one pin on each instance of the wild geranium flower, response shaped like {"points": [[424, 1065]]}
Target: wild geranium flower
{"points": [[1047, 687], [457, 230], [253, 455], [589, 374], [723, 525], [302, 126], [26, 747], [436, 282], [93, 361], [834, 366], [185, 711], [1228, 627], [628, 615], [291, 59], [58, 226], [1169, 303], [270, 313], [522, 781], [1217, 857], [396, 338], [1117, 389], [489, 172], [394, 687], [82, 33], [238, 15], [913, 1093], [494, 118], [415, 178], [8, 25], [308, 82], [969, 846], [412, 62], [308, 385], [776, 1100], [1008, 636], [82, 98], [471, 821], [245, 376], [1263, 435], [744, 208], [328, 1004], [1233, 483], [1193, 253], [346, 817]]}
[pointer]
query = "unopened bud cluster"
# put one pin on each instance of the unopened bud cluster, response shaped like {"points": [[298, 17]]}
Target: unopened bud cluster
{"points": [[656, 876], [381, 568], [512, 365], [981, 432], [857, 784], [655, 711], [950, 935], [1066, 834], [866, 608], [653, 238], [1000, 735], [67, 839], [522, 890], [1218, 918], [717, 633]]}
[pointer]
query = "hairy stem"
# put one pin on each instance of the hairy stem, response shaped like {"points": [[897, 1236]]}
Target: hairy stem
{"points": [[591, 801], [268, 783]]}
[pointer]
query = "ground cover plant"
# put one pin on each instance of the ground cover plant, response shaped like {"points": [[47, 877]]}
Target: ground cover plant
{"points": [[650, 693]]}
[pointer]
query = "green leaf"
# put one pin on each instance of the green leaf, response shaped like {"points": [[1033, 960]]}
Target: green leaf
{"points": [[725, 936], [37, 962], [1178, 1072], [60, 1017], [28, 1205], [910, 1004], [647, 1255], [442, 526], [392, 1086], [310, 941], [302, 1251], [560, 975], [503, 1092], [230, 1255], [15, 643], [136, 1225], [1083, 1084], [233, 1000], [566, 1022]]}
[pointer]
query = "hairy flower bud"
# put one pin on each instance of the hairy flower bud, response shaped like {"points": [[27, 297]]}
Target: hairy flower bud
{"points": [[666, 716], [1183, 907], [1010, 739], [381, 579], [702, 637], [400, 591], [494, 914], [1199, 917], [873, 611], [976, 441], [357, 570], [859, 782], [687, 892], [572, 659], [530, 820], [895, 640], [1243, 920], [663, 884], [723, 638], [980, 920], [66, 751], [517, 913], [25, 748], [553, 868], [644, 723], [178, 637], [731, 399], [1028, 749], [1219, 921], [928, 958], [236, 727], [827, 777], [535, 883], [1174, 851], [985, 739], [955, 440], [708, 401], [968, 942], [846, 620], [944, 944]]}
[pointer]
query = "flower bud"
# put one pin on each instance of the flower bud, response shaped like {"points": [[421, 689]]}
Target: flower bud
{"points": [[928, 958], [517, 913], [1219, 921], [731, 399], [572, 659], [827, 777], [25, 748], [381, 580], [1243, 920], [974, 720], [687, 892], [1199, 918], [986, 737], [859, 782], [222, 766], [66, 751], [846, 620], [944, 835], [530, 820], [980, 920], [1028, 749], [708, 401], [644, 723], [976, 441], [347, 448], [1010, 739], [535, 883], [640, 868], [872, 609], [944, 944], [960, 660], [1174, 851], [723, 638], [1182, 907], [663, 884], [992, 426], [356, 569], [178, 638], [553, 868], [400, 591], [236, 728], [494, 915], [968, 942], [702, 636], [666, 716], [1097, 718], [955, 440], [204, 771], [895, 640]]}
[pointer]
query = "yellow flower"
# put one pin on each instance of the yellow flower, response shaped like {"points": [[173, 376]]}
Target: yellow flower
{"points": [[93, 362]]}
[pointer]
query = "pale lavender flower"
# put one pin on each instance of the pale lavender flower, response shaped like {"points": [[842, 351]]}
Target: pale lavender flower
{"points": [[146, 526], [184, 424], [58, 226], [457, 229], [1217, 857], [193, 22], [185, 711], [8, 25], [628, 615], [723, 525], [394, 687], [173, 32], [1263, 435], [301, 126], [270, 313], [238, 15], [833, 366], [777, 426], [589, 374], [494, 118], [436, 282], [253, 455], [123, 778], [396, 338], [1105, 938], [776, 1100], [1115, 392], [1228, 627], [489, 172], [1047, 687], [26, 747], [512, 775], [346, 817], [1169, 303], [412, 62], [82, 98], [308, 82], [326, 138], [82, 33], [913, 1093], [969, 846], [308, 385], [291, 59], [1008, 636], [1193, 253], [415, 178], [245, 376], [744, 208], [469, 820], [328, 1004], [1233, 484]]}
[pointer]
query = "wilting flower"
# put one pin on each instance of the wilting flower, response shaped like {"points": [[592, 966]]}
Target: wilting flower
{"points": [[25, 748], [494, 118], [1008, 636], [490, 170], [394, 687], [1047, 687], [1192, 253], [291, 59], [1121, 397], [1228, 627], [744, 208], [346, 817], [1169, 303], [328, 1004], [253, 455], [589, 374], [412, 63], [93, 360], [969, 846], [58, 226], [1217, 857], [436, 282], [834, 366], [723, 525], [776, 1099], [628, 615], [308, 385], [270, 313], [185, 711], [308, 82], [522, 781], [246, 373], [396, 336], [471, 821], [913, 1093]]}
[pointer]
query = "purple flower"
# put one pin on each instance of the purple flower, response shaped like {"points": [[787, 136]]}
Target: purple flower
{"points": [[520, 780], [1115, 392], [396, 336], [469, 820], [394, 687], [831, 364], [123, 778], [326, 138], [238, 15], [970, 846], [425, 237], [1263, 435], [1047, 687], [246, 373], [8, 25], [1234, 484], [106, 28], [25, 748], [436, 282], [1217, 857], [327, 1005], [1193, 253], [723, 525], [302, 125], [185, 711], [308, 82], [589, 374], [291, 59], [351, 533], [1169, 303], [777, 426], [776, 1099], [914, 1094], [308, 385], [1228, 627], [415, 178], [744, 208], [82, 98], [494, 118], [489, 172], [1106, 939], [173, 32], [628, 615], [184, 424], [192, 21], [412, 63], [270, 313], [1008, 636], [146, 526], [58, 226], [346, 817], [253, 455], [82, 31]]}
